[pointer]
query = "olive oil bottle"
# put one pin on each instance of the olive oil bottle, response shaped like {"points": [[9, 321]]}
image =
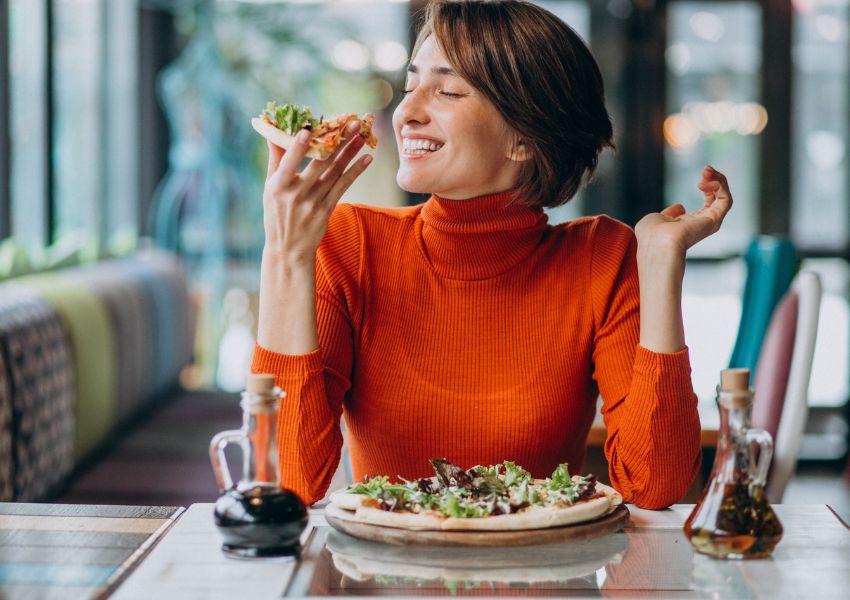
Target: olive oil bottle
{"points": [[733, 518]]}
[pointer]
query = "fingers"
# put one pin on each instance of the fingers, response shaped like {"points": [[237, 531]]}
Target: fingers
{"points": [[288, 166], [340, 163], [714, 184], [275, 154], [344, 152], [347, 178], [674, 211]]}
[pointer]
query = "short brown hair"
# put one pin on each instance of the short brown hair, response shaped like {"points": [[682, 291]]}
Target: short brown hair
{"points": [[541, 77]]}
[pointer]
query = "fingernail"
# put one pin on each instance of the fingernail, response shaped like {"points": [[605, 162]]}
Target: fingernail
{"points": [[367, 160], [303, 136]]}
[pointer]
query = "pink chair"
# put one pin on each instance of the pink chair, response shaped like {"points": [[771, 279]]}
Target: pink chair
{"points": [[774, 364], [782, 377]]}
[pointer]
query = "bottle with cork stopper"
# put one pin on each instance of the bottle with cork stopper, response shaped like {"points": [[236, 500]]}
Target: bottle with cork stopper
{"points": [[733, 518], [256, 516]]}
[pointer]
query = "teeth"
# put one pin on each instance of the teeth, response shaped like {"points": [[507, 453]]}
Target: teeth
{"points": [[419, 146]]}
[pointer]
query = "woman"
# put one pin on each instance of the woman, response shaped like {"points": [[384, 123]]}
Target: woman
{"points": [[468, 327]]}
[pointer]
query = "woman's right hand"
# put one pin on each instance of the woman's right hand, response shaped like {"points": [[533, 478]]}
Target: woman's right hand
{"points": [[297, 206]]}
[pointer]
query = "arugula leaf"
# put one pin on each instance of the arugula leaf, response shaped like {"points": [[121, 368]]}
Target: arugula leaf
{"points": [[560, 478], [484, 485], [289, 117], [491, 471], [446, 472], [373, 487], [514, 474], [451, 505]]}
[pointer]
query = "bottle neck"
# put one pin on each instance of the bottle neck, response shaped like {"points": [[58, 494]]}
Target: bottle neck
{"points": [[733, 458], [259, 423], [734, 420]]}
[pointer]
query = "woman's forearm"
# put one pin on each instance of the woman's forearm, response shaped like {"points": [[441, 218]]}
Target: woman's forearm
{"points": [[660, 272], [287, 311]]}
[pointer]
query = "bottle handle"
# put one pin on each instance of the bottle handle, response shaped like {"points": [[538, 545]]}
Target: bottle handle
{"points": [[219, 461], [765, 443]]}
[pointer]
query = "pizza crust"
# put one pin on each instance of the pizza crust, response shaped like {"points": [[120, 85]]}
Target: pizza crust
{"points": [[613, 495], [361, 508], [282, 139], [533, 517], [348, 500], [530, 518]]}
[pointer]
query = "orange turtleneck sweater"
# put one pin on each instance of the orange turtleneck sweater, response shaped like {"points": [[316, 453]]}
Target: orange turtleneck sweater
{"points": [[475, 331]]}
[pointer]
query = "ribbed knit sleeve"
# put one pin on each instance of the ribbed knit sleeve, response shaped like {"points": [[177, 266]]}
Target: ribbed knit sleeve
{"points": [[648, 403], [309, 436]]}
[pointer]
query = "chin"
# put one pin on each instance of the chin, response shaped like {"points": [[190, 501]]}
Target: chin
{"points": [[411, 185]]}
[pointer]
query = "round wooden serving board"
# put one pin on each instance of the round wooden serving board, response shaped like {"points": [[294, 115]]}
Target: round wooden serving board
{"points": [[612, 522]]}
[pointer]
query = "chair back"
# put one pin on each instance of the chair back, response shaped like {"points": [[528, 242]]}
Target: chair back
{"points": [[774, 364], [795, 408], [771, 263]]}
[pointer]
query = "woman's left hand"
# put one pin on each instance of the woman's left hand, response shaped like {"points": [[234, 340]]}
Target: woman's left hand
{"points": [[676, 229]]}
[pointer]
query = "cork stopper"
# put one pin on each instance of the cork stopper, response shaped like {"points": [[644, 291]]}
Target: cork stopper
{"points": [[260, 383], [734, 390], [734, 379]]}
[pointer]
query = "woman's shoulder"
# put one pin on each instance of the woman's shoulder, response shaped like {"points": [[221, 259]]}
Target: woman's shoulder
{"points": [[593, 228]]}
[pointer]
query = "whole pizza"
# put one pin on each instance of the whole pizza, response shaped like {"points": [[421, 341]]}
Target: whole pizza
{"points": [[502, 497]]}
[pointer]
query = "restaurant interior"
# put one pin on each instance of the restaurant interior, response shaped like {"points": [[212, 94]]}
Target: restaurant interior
{"points": [[131, 216]]}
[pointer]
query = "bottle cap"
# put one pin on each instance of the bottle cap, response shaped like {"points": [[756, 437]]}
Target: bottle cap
{"points": [[734, 379], [734, 390], [260, 383]]}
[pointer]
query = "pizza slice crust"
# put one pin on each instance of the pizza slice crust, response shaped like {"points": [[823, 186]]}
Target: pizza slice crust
{"points": [[280, 138], [349, 500], [530, 518]]}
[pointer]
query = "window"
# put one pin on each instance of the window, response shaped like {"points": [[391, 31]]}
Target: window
{"points": [[714, 114], [121, 116], [28, 108], [819, 201], [78, 108]]}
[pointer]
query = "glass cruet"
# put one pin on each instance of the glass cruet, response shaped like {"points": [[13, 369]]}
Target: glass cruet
{"points": [[256, 517], [733, 518]]}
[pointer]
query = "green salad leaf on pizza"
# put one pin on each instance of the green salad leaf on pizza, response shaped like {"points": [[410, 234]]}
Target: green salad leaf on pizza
{"points": [[500, 489]]}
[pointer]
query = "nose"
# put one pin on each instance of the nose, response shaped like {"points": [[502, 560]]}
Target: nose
{"points": [[413, 108]]}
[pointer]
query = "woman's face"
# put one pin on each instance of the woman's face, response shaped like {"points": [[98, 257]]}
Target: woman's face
{"points": [[452, 141]]}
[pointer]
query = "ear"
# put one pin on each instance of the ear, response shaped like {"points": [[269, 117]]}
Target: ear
{"points": [[518, 152]]}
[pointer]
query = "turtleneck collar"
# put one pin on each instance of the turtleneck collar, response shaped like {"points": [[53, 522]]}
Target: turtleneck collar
{"points": [[480, 237]]}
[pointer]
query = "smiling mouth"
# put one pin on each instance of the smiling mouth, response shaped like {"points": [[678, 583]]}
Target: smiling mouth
{"points": [[420, 147]]}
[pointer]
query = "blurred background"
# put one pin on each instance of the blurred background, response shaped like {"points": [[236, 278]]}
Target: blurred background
{"points": [[125, 129]]}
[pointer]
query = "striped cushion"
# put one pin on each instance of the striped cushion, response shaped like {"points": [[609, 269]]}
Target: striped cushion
{"points": [[38, 358], [130, 320], [165, 286], [93, 346]]}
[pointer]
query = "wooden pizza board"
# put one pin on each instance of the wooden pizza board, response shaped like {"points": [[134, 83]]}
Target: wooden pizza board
{"points": [[579, 532]]}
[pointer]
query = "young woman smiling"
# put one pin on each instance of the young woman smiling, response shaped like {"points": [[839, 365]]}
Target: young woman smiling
{"points": [[467, 327]]}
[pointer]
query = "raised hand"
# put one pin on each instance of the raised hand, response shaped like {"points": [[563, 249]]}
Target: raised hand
{"points": [[675, 230], [297, 206]]}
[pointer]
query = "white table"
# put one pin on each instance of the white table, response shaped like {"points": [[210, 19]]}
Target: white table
{"points": [[811, 561]]}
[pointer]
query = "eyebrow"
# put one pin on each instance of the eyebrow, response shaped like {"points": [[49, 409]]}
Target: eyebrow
{"points": [[436, 70]]}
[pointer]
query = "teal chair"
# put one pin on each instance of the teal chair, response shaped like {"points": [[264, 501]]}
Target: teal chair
{"points": [[771, 264]]}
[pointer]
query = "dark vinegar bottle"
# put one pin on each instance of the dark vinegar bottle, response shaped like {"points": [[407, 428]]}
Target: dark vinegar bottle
{"points": [[256, 518]]}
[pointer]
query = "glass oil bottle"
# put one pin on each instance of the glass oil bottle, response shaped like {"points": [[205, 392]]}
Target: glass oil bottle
{"points": [[733, 519]]}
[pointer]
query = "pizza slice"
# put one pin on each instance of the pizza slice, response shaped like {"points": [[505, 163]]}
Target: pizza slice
{"points": [[501, 497], [280, 123]]}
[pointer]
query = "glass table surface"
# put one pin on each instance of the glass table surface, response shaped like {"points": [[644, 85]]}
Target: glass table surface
{"points": [[630, 563]]}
